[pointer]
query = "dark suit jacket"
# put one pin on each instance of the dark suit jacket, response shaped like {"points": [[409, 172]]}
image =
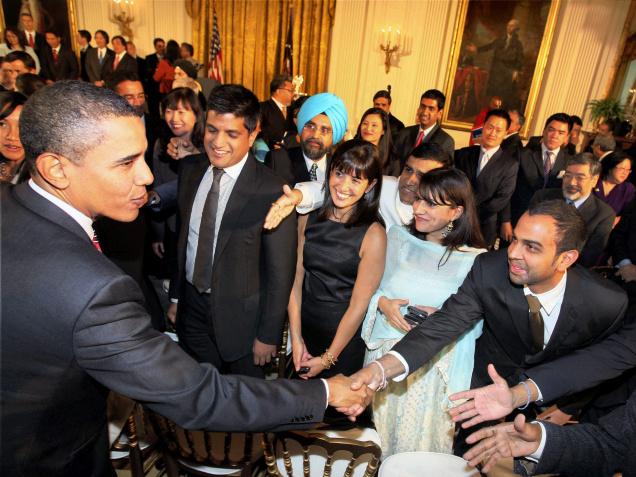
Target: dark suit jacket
{"points": [[288, 164], [512, 143], [403, 144], [83, 73], [530, 180], [493, 187], [66, 67], [273, 123], [396, 125], [624, 236], [73, 326], [592, 309], [599, 219], [253, 269], [127, 63], [40, 43], [94, 70]]}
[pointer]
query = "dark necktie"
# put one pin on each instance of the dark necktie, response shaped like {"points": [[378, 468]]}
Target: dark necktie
{"points": [[202, 275], [101, 57], [547, 167], [55, 55], [536, 322], [31, 42], [312, 172]]}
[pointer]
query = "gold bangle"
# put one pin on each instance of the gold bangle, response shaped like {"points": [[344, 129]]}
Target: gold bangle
{"points": [[329, 358]]}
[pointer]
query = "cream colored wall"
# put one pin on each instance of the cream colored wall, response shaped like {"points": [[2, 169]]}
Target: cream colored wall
{"points": [[582, 55], [153, 18]]}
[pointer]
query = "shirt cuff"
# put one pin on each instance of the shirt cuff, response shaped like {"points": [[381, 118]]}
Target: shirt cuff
{"points": [[399, 357], [536, 455], [324, 381], [622, 263], [539, 395], [312, 196], [174, 300]]}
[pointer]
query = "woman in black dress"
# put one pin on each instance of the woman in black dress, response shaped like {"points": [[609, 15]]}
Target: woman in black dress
{"points": [[341, 251]]}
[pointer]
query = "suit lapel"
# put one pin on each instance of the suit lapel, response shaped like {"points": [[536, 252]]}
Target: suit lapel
{"points": [[491, 164], [298, 165], [191, 182], [567, 319], [518, 309], [537, 159], [559, 163], [430, 136], [588, 209]]}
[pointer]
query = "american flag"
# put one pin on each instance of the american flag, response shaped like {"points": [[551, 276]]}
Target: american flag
{"points": [[288, 60], [215, 70]]}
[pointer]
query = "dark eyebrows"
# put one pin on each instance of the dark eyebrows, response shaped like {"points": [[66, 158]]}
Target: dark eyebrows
{"points": [[531, 242], [132, 157]]}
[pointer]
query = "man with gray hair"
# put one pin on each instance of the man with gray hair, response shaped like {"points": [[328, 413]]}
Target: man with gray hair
{"points": [[580, 177], [603, 145]]}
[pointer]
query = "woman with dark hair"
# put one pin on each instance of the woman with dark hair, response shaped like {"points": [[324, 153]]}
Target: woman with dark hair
{"points": [[340, 262], [374, 128], [425, 263], [164, 74], [11, 151], [612, 187], [14, 40]]}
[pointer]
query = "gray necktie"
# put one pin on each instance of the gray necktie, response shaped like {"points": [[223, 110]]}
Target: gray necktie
{"points": [[202, 275], [101, 57], [536, 322], [312, 172]]}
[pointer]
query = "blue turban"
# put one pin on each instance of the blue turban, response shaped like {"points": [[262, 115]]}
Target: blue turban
{"points": [[332, 106]]}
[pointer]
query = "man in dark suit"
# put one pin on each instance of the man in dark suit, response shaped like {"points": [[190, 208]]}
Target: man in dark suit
{"points": [[142, 69], [151, 86], [581, 174], [234, 278], [58, 61], [492, 172], [382, 100], [429, 113], [72, 322], [84, 38], [512, 141], [98, 58], [34, 38], [120, 61], [274, 111]]}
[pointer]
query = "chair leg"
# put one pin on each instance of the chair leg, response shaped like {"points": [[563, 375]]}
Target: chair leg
{"points": [[172, 468]]}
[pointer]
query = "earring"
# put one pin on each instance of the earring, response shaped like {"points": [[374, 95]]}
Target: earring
{"points": [[448, 229]]}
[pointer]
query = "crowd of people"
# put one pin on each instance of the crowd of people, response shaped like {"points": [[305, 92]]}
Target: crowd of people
{"points": [[415, 269]]}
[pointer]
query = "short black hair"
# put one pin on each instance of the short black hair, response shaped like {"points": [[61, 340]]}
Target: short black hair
{"points": [[383, 93], [22, 56], [189, 100], [85, 34], [120, 38], [104, 34], [53, 31], [113, 80], [9, 100], [157, 40], [278, 81], [571, 231], [432, 152], [29, 83], [612, 160], [576, 120], [188, 47], [585, 159], [500, 113], [236, 99], [560, 118], [437, 95], [67, 118], [173, 52]]}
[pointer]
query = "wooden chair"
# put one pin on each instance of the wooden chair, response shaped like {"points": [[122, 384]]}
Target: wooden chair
{"points": [[203, 453], [134, 454], [282, 445]]}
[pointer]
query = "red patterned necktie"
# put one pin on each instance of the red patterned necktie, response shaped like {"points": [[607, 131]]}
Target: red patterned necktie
{"points": [[31, 42], [55, 55], [418, 141]]}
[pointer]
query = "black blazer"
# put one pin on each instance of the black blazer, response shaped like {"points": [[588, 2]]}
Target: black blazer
{"points": [[493, 187], [396, 125], [405, 141], [40, 43], [599, 219], [94, 70], [512, 143], [127, 63], [623, 237], [592, 309], [289, 164], [73, 326], [253, 269], [83, 73], [66, 67], [273, 123]]}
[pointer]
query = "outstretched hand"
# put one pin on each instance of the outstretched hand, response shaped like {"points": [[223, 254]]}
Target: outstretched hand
{"points": [[483, 404], [284, 205]]}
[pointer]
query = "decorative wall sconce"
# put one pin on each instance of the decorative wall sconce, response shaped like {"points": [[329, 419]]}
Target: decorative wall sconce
{"points": [[121, 13], [390, 45]]}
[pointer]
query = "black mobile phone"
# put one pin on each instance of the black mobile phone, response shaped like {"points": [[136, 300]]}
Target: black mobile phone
{"points": [[415, 316], [303, 370]]}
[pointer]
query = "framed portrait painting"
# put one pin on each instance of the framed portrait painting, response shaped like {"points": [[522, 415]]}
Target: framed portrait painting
{"points": [[499, 53]]}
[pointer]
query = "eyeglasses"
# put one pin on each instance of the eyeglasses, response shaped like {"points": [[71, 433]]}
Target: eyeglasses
{"points": [[288, 90], [623, 169], [324, 131]]}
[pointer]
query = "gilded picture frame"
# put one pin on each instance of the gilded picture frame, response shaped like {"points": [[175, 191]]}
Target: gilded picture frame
{"points": [[500, 48]]}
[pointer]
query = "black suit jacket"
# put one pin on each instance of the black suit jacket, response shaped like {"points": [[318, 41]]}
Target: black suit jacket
{"points": [[403, 144], [289, 164], [83, 73], [40, 43], [73, 326], [396, 125], [65, 68], [127, 63], [592, 309], [253, 269], [513, 143], [273, 123], [599, 219], [493, 187], [94, 70], [624, 236]]}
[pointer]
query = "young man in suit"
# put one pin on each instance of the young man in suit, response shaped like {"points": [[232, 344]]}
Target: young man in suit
{"points": [[274, 111], [73, 325], [58, 62], [151, 86], [382, 99], [34, 38], [120, 61], [581, 174], [513, 140], [234, 278], [492, 172], [429, 113], [84, 38], [98, 58]]}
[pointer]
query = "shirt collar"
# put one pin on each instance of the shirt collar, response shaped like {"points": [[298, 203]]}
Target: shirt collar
{"points": [[579, 202], [554, 152], [120, 55], [84, 221], [102, 50], [551, 298], [235, 170], [280, 105], [322, 162], [428, 130], [491, 152]]}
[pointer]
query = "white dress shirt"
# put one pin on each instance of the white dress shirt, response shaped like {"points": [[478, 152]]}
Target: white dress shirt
{"points": [[321, 171], [485, 155], [553, 154]]}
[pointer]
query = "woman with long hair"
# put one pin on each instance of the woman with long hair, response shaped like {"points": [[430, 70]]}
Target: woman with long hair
{"points": [[612, 186], [164, 74], [14, 40], [12, 154], [425, 263], [374, 128]]}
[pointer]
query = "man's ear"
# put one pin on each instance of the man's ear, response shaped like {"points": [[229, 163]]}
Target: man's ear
{"points": [[567, 259], [51, 168]]}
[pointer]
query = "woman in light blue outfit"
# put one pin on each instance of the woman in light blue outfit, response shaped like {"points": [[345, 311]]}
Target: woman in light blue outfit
{"points": [[14, 40], [425, 264]]}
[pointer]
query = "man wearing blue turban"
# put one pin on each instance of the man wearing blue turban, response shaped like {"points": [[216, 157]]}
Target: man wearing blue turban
{"points": [[322, 122]]}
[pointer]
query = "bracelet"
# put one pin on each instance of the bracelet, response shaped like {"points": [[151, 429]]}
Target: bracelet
{"points": [[528, 393], [327, 359], [383, 384]]}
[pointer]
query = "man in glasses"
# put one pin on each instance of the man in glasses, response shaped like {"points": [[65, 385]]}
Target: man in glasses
{"points": [[274, 111]]}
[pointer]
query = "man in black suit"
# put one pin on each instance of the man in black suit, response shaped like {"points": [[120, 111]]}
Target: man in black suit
{"points": [[234, 278], [98, 58], [34, 38], [274, 111], [581, 174], [492, 172], [120, 61], [142, 69], [72, 322], [84, 38], [151, 86], [575, 135], [382, 99], [513, 140], [429, 113], [58, 61]]}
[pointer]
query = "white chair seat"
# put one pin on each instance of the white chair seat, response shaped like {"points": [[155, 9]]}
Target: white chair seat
{"points": [[417, 464], [206, 469]]}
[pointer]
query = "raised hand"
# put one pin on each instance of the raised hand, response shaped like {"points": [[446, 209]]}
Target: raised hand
{"points": [[178, 148], [390, 308], [511, 439], [284, 205], [342, 396]]}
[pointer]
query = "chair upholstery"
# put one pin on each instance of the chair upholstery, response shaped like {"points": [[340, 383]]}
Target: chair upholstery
{"points": [[416, 464]]}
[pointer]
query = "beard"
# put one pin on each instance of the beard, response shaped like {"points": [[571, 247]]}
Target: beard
{"points": [[313, 154]]}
